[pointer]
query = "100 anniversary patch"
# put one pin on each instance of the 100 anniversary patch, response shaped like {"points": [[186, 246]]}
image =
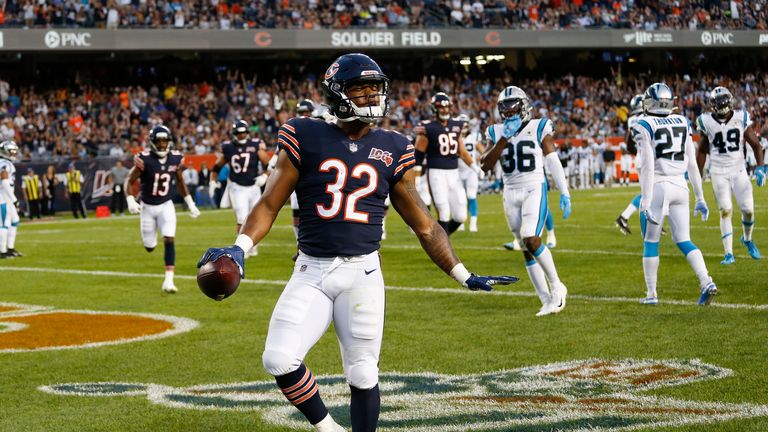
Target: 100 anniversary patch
{"points": [[585, 395]]}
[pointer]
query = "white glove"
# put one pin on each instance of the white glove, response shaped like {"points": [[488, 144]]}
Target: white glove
{"points": [[479, 171], [193, 211], [133, 206], [212, 186], [261, 180]]}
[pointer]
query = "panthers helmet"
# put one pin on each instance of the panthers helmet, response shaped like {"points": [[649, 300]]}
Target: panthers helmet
{"points": [[305, 108], [658, 100], [721, 102], [346, 71], [441, 100], [465, 120], [239, 128], [636, 105], [8, 150], [157, 136], [513, 101]]}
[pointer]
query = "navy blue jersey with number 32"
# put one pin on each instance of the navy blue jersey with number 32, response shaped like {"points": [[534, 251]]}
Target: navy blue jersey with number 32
{"points": [[243, 161], [159, 178], [342, 184]]}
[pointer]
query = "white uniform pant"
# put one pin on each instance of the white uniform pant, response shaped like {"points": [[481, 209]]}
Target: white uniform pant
{"points": [[243, 198], [294, 201], [525, 208], [626, 162], [154, 218], [470, 181], [8, 215], [422, 188], [447, 194], [738, 182], [674, 197], [348, 291]]}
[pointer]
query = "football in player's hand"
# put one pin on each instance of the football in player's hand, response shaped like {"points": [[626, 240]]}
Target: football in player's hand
{"points": [[219, 279]]}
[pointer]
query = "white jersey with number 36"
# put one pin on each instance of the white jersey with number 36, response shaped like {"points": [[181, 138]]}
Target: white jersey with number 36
{"points": [[726, 139], [522, 161]]}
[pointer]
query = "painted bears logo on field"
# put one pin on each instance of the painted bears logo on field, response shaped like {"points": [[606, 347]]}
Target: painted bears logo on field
{"points": [[32, 328], [594, 395]]}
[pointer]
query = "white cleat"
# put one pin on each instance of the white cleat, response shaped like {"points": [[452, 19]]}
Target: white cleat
{"points": [[551, 240], [169, 287], [472, 228], [557, 303], [461, 228], [253, 252]]}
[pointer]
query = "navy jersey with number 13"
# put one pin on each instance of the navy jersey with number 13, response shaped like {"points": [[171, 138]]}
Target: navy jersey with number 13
{"points": [[243, 161], [342, 184], [158, 178]]}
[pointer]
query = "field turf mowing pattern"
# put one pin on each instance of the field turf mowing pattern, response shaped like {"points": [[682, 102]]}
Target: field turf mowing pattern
{"points": [[439, 331]]}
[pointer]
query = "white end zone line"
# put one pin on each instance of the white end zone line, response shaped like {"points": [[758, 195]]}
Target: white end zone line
{"points": [[436, 290]]}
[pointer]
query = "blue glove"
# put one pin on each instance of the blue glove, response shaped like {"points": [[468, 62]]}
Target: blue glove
{"points": [[701, 207], [512, 125], [486, 283], [234, 252], [760, 174], [565, 205]]}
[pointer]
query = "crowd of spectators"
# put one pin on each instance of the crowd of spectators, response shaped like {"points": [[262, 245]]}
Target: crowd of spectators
{"points": [[86, 120], [340, 14]]}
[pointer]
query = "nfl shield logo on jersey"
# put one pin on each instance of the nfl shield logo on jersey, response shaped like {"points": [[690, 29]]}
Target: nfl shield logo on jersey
{"points": [[353, 147]]}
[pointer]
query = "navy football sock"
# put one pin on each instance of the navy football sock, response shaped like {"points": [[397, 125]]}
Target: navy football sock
{"points": [[364, 408], [453, 226], [301, 389], [170, 254]]}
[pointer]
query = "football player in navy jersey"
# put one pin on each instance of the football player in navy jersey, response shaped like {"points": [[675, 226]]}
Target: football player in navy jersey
{"points": [[246, 157], [157, 170], [442, 144], [341, 172]]}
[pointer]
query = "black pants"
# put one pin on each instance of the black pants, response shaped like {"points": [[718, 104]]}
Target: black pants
{"points": [[77, 205], [118, 200], [34, 208], [48, 206]]}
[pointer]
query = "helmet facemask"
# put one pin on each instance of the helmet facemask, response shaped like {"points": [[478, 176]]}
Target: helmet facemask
{"points": [[161, 146], [514, 111], [721, 105], [8, 150], [368, 108]]}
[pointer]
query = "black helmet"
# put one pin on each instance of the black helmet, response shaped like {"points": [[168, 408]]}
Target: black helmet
{"points": [[441, 100], [305, 107], [351, 69], [158, 134], [240, 127]]}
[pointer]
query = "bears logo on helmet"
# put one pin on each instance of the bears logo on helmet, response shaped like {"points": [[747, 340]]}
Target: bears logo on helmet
{"points": [[348, 70], [158, 136]]}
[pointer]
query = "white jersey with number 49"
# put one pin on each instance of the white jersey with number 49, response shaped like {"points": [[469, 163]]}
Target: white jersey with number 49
{"points": [[726, 140], [667, 138], [522, 161]]}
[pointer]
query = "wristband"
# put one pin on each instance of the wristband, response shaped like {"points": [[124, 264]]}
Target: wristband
{"points": [[460, 273], [244, 242]]}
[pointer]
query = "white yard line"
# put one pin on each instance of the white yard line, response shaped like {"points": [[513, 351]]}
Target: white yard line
{"points": [[435, 290]]}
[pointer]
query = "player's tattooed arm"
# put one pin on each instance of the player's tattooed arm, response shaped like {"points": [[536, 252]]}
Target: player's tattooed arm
{"points": [[703, 151], [754, 142], [492, 154], [405, 199]]}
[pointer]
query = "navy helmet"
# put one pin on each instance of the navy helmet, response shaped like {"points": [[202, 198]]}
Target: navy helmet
{"points": [[305, 108], [352, 69], [240, 127], [441, 100], [158, 136]]}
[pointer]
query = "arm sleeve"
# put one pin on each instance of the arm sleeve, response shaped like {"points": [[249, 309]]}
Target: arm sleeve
{"points": [[693, 169], [642, 138], [555, 168]]}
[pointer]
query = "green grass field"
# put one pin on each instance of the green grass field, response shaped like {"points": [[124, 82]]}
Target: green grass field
{"points": [[464, 337]]}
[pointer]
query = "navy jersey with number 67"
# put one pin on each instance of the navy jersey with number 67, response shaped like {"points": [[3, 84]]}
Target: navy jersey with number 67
{"points": [[243, 161], [342, 184], [158, 178], [443, 144]]}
